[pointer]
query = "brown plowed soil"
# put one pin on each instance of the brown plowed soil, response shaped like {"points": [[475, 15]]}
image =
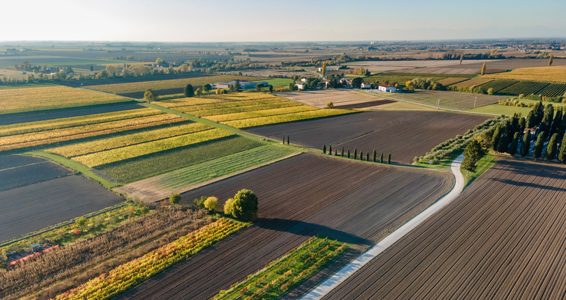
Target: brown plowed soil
{"points": [[503, 238], [299, 197], [404, 134]]}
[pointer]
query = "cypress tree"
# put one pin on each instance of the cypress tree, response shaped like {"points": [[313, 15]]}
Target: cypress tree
{"points": [[530, 119], [550, 60], [381, 159], [562, 152], [496, 137], [389, 159], [348, 153], [557, 121], [547, 118], [283, 140], [513, 148], [539, 114], [484, 68], [374, 155], [526, 145], [330, 149], [522, 125], [361, 155], [324, 149], [355, 153], [367, 156], [503, 143], [539, 145], [552, 146], [287, 140], [562, 127], [335, 152], [342, 151]]}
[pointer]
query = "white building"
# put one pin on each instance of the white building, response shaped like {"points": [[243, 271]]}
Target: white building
{"points": [[300, 85], [327, 69], [387, 89], [304, 80], [366, 85], [246, 85]]}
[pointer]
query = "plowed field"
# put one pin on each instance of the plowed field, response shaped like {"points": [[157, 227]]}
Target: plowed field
{"points": [[299, 197], [404, 134], [503, 238]]}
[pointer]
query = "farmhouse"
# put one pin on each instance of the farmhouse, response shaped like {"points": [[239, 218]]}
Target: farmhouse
{"points": [[300, 85], [387, 89], [345, 82], [327, 69], [246, 85], [366, 85]]}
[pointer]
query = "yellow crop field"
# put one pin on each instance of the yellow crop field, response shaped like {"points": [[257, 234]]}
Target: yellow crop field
{"points": [[119, 154], [287, 118], [166, 84], [72, 133], [260, 113], [127, 140], [473, 82], [557, 74], [51, 97]]}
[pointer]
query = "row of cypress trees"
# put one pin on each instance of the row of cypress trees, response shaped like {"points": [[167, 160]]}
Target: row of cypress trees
{"points": [[355, 154]]}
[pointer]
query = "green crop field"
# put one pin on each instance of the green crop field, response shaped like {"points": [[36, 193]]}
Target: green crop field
{"points": [[131, 87], [129, 152], [554, 90], [497, 85], [18, 100], [283, 274], [158, 163], [524, 87]]}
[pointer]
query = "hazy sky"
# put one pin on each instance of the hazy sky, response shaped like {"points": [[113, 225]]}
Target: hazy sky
{"points": [[271, 20]]}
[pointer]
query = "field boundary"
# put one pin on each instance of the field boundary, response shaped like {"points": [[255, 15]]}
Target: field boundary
{"points": [[336, 279]]}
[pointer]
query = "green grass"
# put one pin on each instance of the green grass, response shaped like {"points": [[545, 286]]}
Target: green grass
{"points": [[167, 161], [483, 165], [283, 274], [443, 164], [502, 110], [25, 85], [278, 81], [222, 166]]}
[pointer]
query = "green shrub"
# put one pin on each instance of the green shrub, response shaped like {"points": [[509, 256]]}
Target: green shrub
{"points": [[174, 198]]}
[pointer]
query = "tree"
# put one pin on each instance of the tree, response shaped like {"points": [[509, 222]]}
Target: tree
{"points": [[514, 144], [357, 82], [80, 222], [189, 91], [211, 203], [174, 198], [91, 68], [472, 154], [522, 125], [245, 206], [389, 159], [206, 88], [562, 152], [292, 86], [367, 156], [550, 60], [526, 144], [323, 149], [381, 158], [200, 202], [461, 58], [503, 142], [530, 123], [330, 149], [283, 140], [557, 121], [219, 91], [539, 145], [159, 61], [552, 147], [258, 87], [270, 89], [547, 118], [355, 153], [342, 152], [374, 155], [199, 92], [330, 105], [496, 136], [236, 87], [229, 207], [484, 68], [323, 69], [287, 140], [149, 95], [348, 153]]}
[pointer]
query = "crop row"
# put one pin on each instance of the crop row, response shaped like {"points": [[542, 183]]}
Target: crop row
{"points": [[162, 162], [22, 128], [139, 270], [524, 87], [451, 80], [554, 90], [231, 107], [286, 118], [261, 113], [497, 85], [114, 155], [227, 98], [279, 276], [127, 140], [50, 97], [89, 252], [165, 84], [473, 82], [73, 133]]}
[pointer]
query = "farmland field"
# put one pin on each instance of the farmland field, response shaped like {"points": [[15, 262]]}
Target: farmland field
{"points": [[524, 87], [32, 207], [161, 186], [503, 238], [400, 78], [344, 99], [497, 85], [555, 73], [473, 82], [17, 171], [451, 80], [299, 197], [248, 109], [450, 100], [39, 133], [164, 87], [158, 163], [404, 134], [51, 97], [554, 90]]}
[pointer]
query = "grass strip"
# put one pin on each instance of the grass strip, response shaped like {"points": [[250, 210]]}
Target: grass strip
{"points": [[483, 165]]}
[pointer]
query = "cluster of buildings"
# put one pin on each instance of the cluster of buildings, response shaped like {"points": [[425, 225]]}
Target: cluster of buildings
{"points": [[246, 85]]}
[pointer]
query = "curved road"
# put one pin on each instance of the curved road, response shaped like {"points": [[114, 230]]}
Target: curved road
{"points": [[332, 282]]}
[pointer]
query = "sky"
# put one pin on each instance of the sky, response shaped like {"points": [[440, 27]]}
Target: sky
{"points": [[271, 20]]}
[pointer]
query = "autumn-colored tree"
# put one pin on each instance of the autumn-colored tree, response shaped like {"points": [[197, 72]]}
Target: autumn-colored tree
{"points": [[484, 68], [550, 60]]}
